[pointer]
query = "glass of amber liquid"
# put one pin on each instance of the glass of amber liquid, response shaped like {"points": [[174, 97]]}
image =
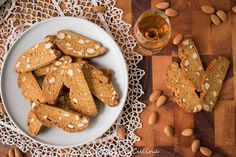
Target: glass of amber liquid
{"points": [[152, 31]]}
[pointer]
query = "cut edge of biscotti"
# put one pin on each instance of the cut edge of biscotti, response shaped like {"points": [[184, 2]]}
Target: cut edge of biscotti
{"points": [[33, 124], [77, 45], [190, 61], [183, 89], [67, 120], [212, 81], [36, 57]]}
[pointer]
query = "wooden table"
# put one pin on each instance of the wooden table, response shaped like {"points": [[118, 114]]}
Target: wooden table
{"points": [[215, 130]]}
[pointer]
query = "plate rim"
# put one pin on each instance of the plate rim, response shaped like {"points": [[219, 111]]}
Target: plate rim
{"points": [[124, 93]]}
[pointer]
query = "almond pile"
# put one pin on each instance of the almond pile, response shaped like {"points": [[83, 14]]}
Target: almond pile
{"points": [[168, 11]]}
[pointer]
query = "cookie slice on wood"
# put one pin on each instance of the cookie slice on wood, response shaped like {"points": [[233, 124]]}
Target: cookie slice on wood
{"points": [[99, 84], [53, 82], [67, 120], [30, 88], [212, 82], [80, 95], [76, 45], [184, 91], [191, 62], [33, 124], [36, 57]]}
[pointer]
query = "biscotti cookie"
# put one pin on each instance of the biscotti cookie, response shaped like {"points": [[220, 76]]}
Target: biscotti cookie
{"points": [[53, 82], [100, 85], [30, 88], [78, 46], [36, 57], [212, 82], [80, 95], [190, 62], [67, 120], [42, 71], [33, 124], [50, 38], [184, 91]]}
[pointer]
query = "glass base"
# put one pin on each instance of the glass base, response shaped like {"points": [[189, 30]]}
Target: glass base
{"points": [[146, 52]]}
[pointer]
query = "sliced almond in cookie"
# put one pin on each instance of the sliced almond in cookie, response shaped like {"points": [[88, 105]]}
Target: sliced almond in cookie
{"points": [[212, 82], [36, 57], [78, 46], [184, 91], [99, 84], [53, 82], [67, 120], [190, 62], [80, 95], [33, 124], [30, 88]]}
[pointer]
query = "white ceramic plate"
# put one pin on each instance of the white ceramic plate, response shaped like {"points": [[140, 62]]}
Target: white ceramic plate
{"points": [[17, 107]]}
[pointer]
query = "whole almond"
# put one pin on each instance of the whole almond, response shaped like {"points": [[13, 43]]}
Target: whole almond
{"points": [[207, 9], [169, 131], [195, 145], [121, 133], [99, 9], [222, 15], [215, 19], [11, 153], [152, 118], [5, 156], [177, 39], [187, 132], [163, 5], [155, 95], [18, 153], [171, 12], [205, 151], [2, 111], [161, 100], [234, 9]]}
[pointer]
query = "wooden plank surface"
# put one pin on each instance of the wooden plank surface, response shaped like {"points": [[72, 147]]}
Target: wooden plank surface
{"points": [[215, 130]]}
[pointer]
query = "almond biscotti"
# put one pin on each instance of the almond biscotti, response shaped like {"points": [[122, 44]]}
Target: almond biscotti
{"points": [[212, 82], [191, 62], [100, 85], [33, 124], [53, 82], [67, 120], [184, 91], [78, 46], [80, 95], [36, 57], [30, 88]]}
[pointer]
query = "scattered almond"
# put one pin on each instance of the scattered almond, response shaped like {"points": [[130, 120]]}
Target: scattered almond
{"points": [[171, 12], [121, 133], [205, 151], [11, 153], [215, 19], [195, 145], [18, 153], [161, 100], [5, 155], [169, 131], [177, 39], [187, 132], [152, 118], [163, 5], [155, 95], [99, 9], [234, 9], [222, 15], [2, 111], [207, 9]]}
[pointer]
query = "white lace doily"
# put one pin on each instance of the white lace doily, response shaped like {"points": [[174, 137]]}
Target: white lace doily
{"points": [[18, 16]]}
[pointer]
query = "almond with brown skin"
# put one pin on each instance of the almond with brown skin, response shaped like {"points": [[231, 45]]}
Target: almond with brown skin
{"points": [[215, 19], [11, 153], [152, 118], [195, 145], [155, 95], [5, 156], [121, 132], [187, 132], [171, 12], [205, 151], [162, 5], [99, 9], [207, 9], [18, 153], [177, 39], [169, 131], [222, 15], [161, 101], [234, 9]]}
